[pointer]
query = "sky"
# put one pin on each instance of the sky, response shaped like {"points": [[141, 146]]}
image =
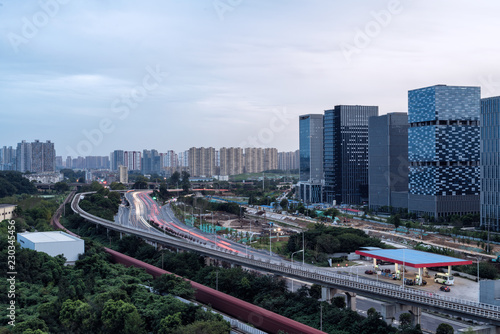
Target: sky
{"points": [[95, 76]]}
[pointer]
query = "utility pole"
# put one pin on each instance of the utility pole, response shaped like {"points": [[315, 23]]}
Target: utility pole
{"points": [[303, 247]]}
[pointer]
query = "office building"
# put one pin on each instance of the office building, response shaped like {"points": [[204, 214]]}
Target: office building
{"points": [[388, 161], [150, 162], [346, 153], [117, 159], [490, 160], [310, 186], [444, 150]]}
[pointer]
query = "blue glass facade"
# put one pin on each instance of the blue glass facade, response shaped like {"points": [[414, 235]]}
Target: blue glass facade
{"points": [[346, 153], [443, 150], [490, 162], [311, 158]]}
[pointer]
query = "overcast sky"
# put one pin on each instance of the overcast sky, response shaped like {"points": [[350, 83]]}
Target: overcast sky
{"points": [[94, 76]]}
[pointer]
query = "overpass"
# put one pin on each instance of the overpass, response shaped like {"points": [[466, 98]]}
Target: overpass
{"points": [[379, 290]]}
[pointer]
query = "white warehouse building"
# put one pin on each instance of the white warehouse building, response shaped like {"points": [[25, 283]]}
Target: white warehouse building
{"points": [[53, 243]]}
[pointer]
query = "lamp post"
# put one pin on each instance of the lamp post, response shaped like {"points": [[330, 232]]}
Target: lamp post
{"points": [[292, 262]]}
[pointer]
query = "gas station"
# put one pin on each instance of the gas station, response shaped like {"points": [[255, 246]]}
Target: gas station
{"points": [[412, 258]]}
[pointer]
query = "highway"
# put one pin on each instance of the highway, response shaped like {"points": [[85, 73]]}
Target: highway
{"points": [[378, 290], [144, 210]]}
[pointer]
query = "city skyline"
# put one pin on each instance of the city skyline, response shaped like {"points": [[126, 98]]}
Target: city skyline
{"points": [[239, 74]]}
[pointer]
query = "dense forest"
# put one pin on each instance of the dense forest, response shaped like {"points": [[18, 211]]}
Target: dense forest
{"points": [[13, 183], [95, 296]]}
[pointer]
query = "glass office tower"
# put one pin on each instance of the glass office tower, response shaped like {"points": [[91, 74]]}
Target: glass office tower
{"points": [[490, 162], [346, 153], [311, 158], [388, 161], [443, 150]]}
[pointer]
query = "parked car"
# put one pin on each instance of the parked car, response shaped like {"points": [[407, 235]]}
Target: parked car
{"points": [[369, 272], [445, 288]]}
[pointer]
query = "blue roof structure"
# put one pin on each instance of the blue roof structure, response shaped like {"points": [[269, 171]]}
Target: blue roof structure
{"points": [[413, 258]]}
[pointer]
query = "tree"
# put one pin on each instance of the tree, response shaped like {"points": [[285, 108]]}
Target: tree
{"points": [[395, 220], [121, 317], [117, 186], [284, 204], [77, 316], [174, 285], [175, 178], [61, 187], [339, 302], [186, 185], [445, 329]]}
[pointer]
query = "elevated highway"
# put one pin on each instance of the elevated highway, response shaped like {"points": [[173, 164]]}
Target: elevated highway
{"points": [[380, 290]]}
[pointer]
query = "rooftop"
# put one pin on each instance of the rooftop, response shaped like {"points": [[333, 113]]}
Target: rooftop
{"points": [[6, 205], [413, 258], [52, 236]]}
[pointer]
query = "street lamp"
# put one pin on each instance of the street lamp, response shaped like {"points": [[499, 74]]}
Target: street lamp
{"points": [[292, 262]]}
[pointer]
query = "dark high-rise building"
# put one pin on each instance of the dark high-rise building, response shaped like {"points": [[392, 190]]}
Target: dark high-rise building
{"points": [[388, 161], [490, 160], [346, 153], [444, 150], [117, 158], [150, 161], [310, 185]]}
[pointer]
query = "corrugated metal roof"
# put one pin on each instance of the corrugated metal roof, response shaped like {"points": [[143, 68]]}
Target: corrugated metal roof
{"points": [[413, 258], [52, 236]]}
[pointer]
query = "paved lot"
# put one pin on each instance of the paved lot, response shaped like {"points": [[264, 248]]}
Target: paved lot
{"points": [[463, 288]]}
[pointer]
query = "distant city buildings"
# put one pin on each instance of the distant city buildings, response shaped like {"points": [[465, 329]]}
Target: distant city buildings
{"points": [[202, 161], [35, 157], [444, 150], [7, 158], [388, 161], [117, 158], [132, 160], [231, 161], [288, 160], [150, 162], [490, 162], [310, 186], [45, 177]]}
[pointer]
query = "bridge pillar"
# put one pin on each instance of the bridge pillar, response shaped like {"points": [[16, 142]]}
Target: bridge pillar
{"points": [[351, 300], [388, 312], [328, 293], [415, 312]]}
